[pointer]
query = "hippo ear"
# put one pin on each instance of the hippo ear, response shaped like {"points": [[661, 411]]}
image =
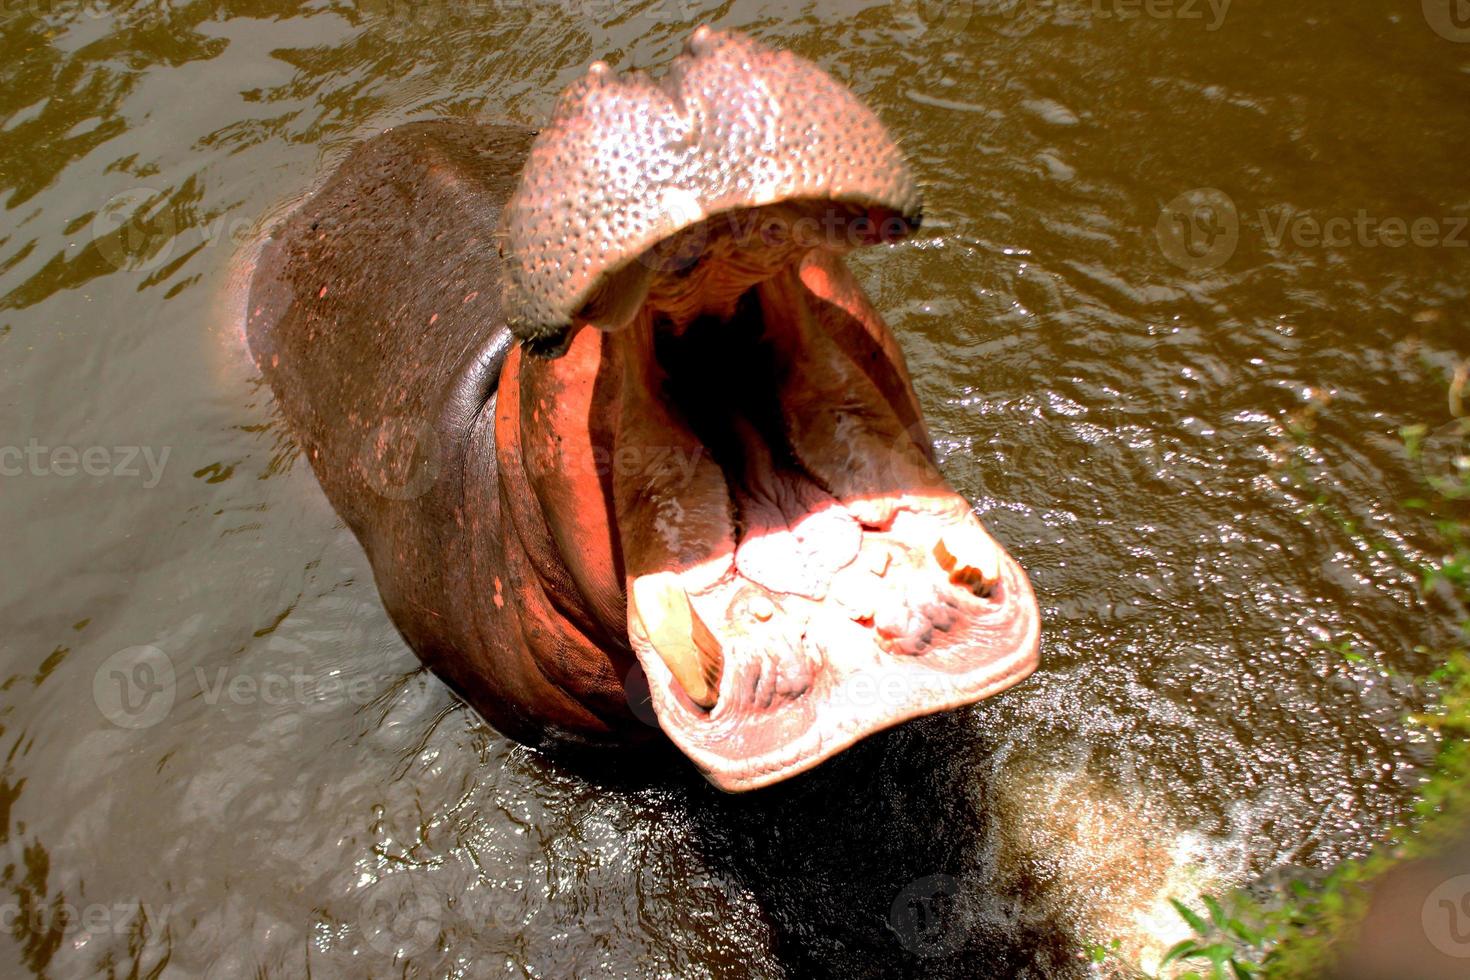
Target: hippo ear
{"points": [[627, 162]]}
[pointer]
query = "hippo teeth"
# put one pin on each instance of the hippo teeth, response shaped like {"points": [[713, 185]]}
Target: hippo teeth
{"points": [[970, 556], [680, 638]]}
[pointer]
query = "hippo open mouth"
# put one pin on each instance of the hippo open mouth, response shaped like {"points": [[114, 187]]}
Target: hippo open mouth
{"points": [[812, 580], [808, 578]]}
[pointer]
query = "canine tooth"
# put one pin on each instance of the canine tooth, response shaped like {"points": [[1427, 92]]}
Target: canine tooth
{"points": [[761, 608], [680, 638], [970, 556]]}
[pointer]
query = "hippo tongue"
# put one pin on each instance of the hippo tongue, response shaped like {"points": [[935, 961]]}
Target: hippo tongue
{"points": [[797, 535]]}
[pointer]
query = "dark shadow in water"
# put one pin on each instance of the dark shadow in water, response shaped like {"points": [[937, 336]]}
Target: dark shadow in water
{"points": [[876, 864], [872, 866]]}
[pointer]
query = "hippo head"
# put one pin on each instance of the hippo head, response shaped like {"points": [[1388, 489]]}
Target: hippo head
{"points": [[809, 579]]}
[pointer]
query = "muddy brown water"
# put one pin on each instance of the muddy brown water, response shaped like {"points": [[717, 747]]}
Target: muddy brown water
{"points": [[1171, 387]]}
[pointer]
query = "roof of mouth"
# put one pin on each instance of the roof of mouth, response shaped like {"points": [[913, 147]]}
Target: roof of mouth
{"points": [[627, 161]]}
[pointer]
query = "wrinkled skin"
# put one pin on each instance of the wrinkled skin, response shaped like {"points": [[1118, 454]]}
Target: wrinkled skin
{"points": [[542, 375]]}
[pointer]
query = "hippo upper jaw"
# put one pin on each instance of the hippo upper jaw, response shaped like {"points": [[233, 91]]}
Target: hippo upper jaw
{"points": [[628, 162], [810, 579]]}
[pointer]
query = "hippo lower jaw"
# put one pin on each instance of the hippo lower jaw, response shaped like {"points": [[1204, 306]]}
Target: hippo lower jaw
{"points": [[808, 579]]}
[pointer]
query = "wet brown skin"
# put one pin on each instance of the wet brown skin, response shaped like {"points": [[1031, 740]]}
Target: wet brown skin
{"points": [[742, 427]]}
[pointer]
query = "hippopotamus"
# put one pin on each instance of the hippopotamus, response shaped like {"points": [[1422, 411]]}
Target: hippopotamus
{"points": [[615, 425]]}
